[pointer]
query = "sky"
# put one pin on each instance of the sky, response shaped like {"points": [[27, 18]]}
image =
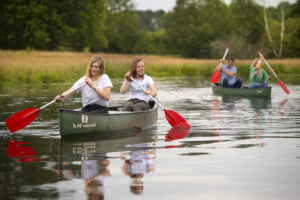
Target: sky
{"points": [[168, 5]]}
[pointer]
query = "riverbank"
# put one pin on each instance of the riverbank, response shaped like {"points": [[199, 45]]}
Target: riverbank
{"points": [[35, 67]]}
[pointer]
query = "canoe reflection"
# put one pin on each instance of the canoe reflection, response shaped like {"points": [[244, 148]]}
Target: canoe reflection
{"points": [[75, 149], [259, 104], [23, 153], [86, 158]]}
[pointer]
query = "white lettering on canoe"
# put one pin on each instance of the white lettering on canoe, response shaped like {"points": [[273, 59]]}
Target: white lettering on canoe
{"points": [[79, 125], [84, 119]]}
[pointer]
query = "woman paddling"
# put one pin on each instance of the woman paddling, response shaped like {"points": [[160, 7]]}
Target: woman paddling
{"points": [[258, 77], [96, 92], [138, 98]]}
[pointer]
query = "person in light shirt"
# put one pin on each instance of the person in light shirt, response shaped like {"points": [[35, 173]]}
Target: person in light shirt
{"points": [[96, 92], [139, 99], [228, 74]]}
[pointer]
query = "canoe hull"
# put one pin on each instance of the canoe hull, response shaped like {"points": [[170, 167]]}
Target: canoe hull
{"points": [[242, 92], [76, 123]]}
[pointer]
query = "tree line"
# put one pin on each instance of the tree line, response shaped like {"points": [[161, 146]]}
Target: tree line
{"points": [[194, 28]]}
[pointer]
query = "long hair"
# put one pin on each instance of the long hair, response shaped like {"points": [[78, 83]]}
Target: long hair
{"points": [[100, 61], [133, 66]]}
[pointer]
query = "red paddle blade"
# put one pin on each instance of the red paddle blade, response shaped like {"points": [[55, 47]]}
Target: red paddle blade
{"points": [[215, 77], [21, 119], [283, 86], [175, 119]]}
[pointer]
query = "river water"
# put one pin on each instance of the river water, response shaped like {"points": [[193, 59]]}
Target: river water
{"points": [[236, 148]]}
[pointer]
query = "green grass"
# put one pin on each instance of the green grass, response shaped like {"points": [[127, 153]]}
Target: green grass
{"points": [[17, 67]]}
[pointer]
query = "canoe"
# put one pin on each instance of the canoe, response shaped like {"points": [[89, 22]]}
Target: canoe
{"points": [[243, 92], [91, 147], [77, 123]]}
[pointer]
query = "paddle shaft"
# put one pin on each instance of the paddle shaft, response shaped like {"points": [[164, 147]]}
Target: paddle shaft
{"points": [[268, 65], [225, 54], [148, 94], [53, 101]]}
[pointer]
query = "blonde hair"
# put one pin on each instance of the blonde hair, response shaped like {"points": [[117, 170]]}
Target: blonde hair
{"points": [[100, 61], [133, 66]]}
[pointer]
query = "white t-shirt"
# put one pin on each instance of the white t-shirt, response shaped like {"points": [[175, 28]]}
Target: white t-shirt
{"points": [[136, 92], [89, 95]]}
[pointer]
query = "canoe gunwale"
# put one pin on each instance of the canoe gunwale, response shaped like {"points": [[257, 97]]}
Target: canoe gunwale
{"points": [[110, 108]]}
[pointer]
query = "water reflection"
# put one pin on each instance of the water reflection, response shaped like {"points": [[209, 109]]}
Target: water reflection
{"points": [[95, 174], [88, 148], [177, 133], [87, 159], [18, 150], [259, 104], [283, 107], [228, 102], [137, 163]]}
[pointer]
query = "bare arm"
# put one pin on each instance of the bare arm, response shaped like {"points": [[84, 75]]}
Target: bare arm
{"points": [[104, 94], [152, 91], [218, 67], [125, 87], [230, 74], [58, 97]]}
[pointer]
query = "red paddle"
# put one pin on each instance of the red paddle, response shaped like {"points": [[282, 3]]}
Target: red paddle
{"points": [[25, 117], [279, 81], [174, 119], [217, 73]]}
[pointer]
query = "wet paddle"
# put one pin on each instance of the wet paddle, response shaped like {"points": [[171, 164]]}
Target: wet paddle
{"points": [[174, 119], [217, 73], [25, 117], [279, 81]]}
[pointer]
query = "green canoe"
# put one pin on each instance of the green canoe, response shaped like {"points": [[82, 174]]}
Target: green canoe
{"points": [[243, 92], [77, 123]]}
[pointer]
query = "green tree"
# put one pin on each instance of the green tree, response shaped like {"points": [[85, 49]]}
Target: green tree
{"points": [[193, 24], [121, 26]]}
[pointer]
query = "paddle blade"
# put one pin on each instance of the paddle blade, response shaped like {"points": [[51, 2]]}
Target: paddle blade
{"points": [[175, 119], [283, 86], [21, 119], [215, 77]]}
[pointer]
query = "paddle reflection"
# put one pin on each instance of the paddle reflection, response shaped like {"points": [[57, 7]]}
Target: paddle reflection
{"points": [[136, 165], [18, 150], [177, 133]]}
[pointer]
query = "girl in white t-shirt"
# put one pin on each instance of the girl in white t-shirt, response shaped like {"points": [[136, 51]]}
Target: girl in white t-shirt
{"points": [[96, 92], [138, 98]]}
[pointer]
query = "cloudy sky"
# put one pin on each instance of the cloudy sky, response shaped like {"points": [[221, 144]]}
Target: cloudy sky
{"points": [[168, 5]]}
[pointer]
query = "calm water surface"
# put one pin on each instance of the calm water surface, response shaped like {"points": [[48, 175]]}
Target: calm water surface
{"points": [[237, 148]]}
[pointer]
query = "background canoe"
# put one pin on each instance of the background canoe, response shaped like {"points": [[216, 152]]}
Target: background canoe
{"points": [[243, 92], [76, 123]]}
